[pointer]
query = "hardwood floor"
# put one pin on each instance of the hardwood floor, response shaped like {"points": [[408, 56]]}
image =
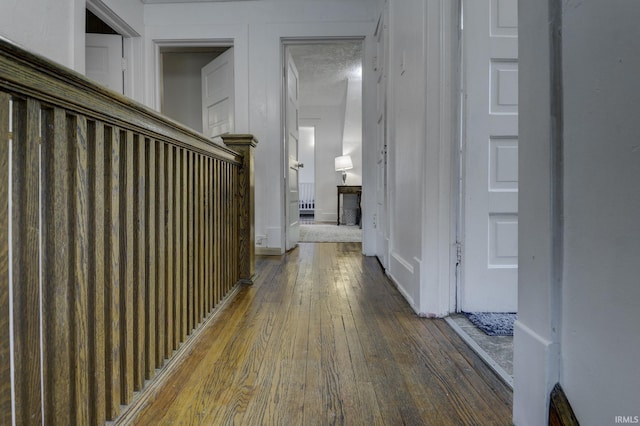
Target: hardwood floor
{"points": [[324, 338]]}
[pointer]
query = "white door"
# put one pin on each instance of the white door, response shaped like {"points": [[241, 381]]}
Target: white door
{"points": [[381, 219], [490, 212], [292, 214], [103, 60], [218, 100]]}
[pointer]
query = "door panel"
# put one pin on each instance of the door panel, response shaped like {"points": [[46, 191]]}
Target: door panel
{"points": [[490, 238], [291, 146], [218, 95], [103, 60]]}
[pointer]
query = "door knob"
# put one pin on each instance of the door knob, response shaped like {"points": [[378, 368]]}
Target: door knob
{"points": [[300, 165]]}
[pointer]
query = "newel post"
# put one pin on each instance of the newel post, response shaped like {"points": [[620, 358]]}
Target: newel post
{"points": [[244, 145]]}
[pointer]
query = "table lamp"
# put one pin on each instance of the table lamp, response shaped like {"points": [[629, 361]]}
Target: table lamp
{"points": [[343, 163]]}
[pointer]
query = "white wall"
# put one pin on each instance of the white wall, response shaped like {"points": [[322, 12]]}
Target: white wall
{"points": [[579, 203], [306, 154], [600, 319], [256, 29], [535, 358], [56, 29], [52, 28], [406, 114], [182, 86], [420, 158], [329, 124], [132, 12], [352, 133]]}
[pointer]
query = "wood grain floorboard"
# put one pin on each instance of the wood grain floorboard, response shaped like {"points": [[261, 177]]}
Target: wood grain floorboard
{"points": [[324, 338]]}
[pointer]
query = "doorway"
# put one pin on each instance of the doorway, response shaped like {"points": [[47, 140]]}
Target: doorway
{"points": [[112, 50], [327, 77], [487, 236], [104, 53], [187, 95], [307, 177]]}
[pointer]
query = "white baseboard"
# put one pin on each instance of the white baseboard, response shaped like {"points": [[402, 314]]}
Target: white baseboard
{"points": [[401, 272], [268, 251], [535, 372]]}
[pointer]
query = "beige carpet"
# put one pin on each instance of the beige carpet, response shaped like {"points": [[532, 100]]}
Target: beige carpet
{"points": [[322, 233]]}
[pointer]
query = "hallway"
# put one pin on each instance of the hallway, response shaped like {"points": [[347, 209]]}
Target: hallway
{"points": [[324, 338]]}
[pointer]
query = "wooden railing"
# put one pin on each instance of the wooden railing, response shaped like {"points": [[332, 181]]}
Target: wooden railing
{"points": [[120, 231]]}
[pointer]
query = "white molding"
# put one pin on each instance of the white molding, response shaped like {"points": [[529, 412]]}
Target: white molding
{"points": [[402, 291], [268, 251], [535, 372], [402, 271], [102, 11], [404, 263], [438, 282], [195, 35]]}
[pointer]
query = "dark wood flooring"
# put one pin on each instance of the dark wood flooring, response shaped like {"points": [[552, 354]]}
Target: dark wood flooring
{"points": [[324, 338]]}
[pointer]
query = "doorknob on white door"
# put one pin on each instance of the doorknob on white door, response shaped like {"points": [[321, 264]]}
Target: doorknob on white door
{"points": [[300, 165]]}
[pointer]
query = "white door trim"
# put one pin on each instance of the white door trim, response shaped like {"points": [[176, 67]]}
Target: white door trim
{"points": [[284, 166], [159, 44], [132, 48]]}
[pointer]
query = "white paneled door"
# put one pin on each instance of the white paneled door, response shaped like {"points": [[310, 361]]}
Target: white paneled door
{"points": [[490, 210], [103, 60], [291, 147], [218, 100]]}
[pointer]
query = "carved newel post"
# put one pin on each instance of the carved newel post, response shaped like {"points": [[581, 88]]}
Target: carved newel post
{"points": [[244, 145]]}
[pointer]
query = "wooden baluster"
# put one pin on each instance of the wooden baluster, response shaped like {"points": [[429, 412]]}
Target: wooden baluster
{"points": [[229, 229], [210, 243], [140, 261], [79, 255], [191, 243], [179, 298], [26, 291], [204, 230], [5, 354], [236, 225], [170, 314], [126, 267], [184, 237], [150, 234], [56, 242], [205, 242], [112, 269], [160, 254], [216, 227], [96, 271], [197, 235], [201, 236]]}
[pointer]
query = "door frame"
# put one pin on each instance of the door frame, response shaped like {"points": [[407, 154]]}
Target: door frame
{"points": [[132, 48], [284, 155], [158, 45]]}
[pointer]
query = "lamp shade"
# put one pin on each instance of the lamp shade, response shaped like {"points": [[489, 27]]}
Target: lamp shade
{"points": [[343, 163]]}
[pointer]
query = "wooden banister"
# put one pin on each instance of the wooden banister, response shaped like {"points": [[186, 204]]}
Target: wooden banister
{"points": [[120, 232]]}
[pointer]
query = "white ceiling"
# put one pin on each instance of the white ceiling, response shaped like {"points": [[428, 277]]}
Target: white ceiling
{"points": [[323, 69]]}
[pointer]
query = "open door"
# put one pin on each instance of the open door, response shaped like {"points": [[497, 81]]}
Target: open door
{"points": [[490, 239], [218, 101], [103, 60], [292, 215]]}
